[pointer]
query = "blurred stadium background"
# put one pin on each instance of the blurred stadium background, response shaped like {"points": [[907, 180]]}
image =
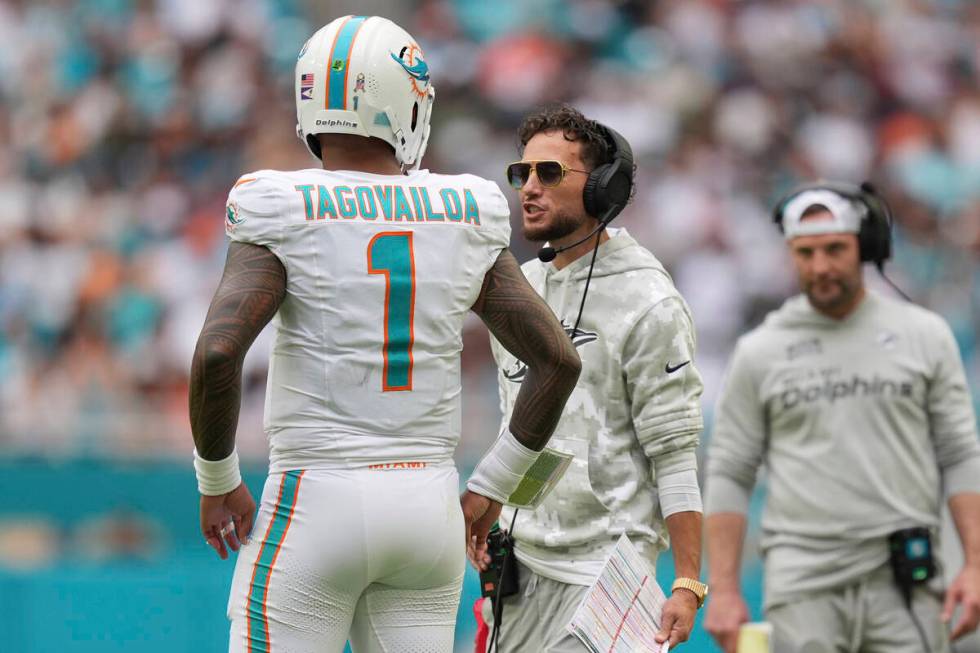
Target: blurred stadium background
{"points": [[124, 123]]}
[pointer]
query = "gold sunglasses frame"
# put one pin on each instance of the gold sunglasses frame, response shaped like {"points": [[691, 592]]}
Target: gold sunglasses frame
{"points": [[534, 168]]}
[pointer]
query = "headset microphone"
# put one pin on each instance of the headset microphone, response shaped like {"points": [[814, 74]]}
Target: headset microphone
{"points": [[548, 254], [607, 190]]}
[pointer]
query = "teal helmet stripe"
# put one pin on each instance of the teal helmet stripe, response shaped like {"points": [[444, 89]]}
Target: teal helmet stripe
{"points": [[340, 61]]}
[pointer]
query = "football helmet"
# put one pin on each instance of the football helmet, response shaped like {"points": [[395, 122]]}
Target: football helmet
{"points": [[365, 75]]}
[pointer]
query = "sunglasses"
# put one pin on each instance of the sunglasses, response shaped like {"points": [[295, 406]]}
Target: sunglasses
{"points": [[550, 173]]}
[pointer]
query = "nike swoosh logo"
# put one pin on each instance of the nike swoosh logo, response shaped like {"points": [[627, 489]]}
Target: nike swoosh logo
{"points": [[670, 370]]}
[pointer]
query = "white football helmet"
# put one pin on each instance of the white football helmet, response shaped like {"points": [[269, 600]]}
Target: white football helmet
{"points": [[364, 75]]}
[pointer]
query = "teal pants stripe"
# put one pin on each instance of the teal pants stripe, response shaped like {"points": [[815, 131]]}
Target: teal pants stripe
{"points": [[258, 623]]}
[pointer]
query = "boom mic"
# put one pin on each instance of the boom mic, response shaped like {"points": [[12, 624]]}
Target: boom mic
{"points": [[548, 254]]}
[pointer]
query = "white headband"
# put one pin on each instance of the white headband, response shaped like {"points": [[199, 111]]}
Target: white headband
{"points": [[846, 214]]}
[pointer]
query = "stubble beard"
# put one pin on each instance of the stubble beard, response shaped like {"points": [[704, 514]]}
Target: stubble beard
{"points": [[561, 226], [844, 295]]}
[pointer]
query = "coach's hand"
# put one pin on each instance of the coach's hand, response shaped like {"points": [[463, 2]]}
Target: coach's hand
{"points": [[227, 518], [727, 611], [964, 591], [480, 514], [677, 618]]}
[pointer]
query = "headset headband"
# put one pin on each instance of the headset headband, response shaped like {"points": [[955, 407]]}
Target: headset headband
{"points": [[875, 218]]}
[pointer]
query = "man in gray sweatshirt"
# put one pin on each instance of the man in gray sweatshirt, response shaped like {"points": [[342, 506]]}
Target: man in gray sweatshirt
{"points": [[633, 421], [858, 406]]}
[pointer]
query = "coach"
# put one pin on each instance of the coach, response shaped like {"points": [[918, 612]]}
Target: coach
{"points": [[633, 421], [859, 407]]}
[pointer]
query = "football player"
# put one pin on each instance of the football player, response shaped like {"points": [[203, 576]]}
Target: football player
{"points": [[367, 267]]}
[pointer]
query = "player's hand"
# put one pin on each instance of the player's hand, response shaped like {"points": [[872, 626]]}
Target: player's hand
{"points": [[727, 612], [677, 618], [227, 518], [964, 591], [480, 514]]}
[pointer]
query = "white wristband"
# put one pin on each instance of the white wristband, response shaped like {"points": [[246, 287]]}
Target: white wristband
{"points": [[679, 492], [500, 471], [216, 477]]}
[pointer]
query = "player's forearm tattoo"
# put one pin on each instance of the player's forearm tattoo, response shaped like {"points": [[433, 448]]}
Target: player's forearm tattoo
{"points": [[528, 329], [252, 288]]}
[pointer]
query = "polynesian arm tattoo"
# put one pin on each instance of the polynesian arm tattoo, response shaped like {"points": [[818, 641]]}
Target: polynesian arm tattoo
{"points": [[525, 325], [252, 288]]}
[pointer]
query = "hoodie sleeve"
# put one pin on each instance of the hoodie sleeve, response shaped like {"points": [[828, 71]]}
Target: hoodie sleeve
{"points": [[951, 417], [664, 386], [737, 439]]}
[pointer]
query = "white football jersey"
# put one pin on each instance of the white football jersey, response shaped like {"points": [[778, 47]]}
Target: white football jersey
{"points": [[381, 271]]}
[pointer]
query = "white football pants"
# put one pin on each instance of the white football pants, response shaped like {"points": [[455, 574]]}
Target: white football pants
{"points": [[371, 555]]}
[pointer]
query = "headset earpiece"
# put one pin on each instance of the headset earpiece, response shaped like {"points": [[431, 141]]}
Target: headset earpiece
{"points": [[609, 186], [875, 236], [876, 231]]}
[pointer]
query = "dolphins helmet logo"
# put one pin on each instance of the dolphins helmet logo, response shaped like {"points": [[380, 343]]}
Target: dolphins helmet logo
{"points": [[411, 59], [232, 216]]}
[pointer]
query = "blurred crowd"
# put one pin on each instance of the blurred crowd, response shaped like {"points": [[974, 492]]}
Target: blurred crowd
{"points": [[123, 123]]}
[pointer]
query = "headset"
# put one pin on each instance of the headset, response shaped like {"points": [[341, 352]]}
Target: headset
{"points": [[875, 235], [610, 185], [607, 190]]}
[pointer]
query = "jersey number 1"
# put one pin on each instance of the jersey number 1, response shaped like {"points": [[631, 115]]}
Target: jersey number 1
{"points": [[391, 253]]}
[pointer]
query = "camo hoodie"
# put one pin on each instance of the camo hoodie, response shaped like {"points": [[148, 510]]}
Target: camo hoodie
{"points": [[634, 415]]}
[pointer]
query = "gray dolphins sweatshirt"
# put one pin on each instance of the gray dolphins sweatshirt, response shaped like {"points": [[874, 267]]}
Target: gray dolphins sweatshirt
{"points": [[863, 424]]}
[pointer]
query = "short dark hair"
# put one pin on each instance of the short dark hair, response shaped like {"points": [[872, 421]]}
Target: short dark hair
{"points": [[814, 209], [573, 126]]}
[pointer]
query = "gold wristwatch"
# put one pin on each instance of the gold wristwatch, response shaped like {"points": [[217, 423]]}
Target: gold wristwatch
{"points": [[699, 589]]}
